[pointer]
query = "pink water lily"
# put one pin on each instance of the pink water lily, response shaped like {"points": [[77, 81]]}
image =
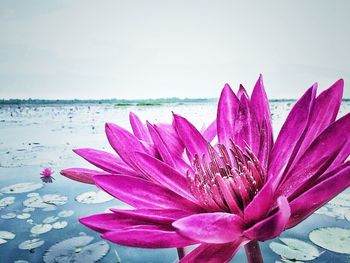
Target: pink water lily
{"points": [[245, 188], [46, 175]]}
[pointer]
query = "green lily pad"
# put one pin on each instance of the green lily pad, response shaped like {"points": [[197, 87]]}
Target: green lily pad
{"points": [[66, 213], [295, 249], [41, 229], [6, 201], [8, 216], [31, 244], [59, 224], [5, 236], [335, 239], [23, 216], [45, 201], [21, 188], [77, 249], [94, 197]]}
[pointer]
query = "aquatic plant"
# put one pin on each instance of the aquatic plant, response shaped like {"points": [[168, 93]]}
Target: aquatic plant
{"points": [[46, 175], [243, 189]]}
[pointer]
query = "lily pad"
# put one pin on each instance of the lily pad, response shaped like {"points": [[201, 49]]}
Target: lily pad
{"points": [[8, 216], [31, 244], [23, 216], [94, 197], [50, 219], [45, 201], [295, 249], [28, 209], [77, 249], [6, 235], [21, 188], [335, 239], [66, 213], [59, 224], [4, 202], [32, 194], [342, 199], [41, 229]]}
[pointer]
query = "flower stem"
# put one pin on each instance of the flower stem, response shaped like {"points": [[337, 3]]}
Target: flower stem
{"points": [[252, 250], [180, 252]]}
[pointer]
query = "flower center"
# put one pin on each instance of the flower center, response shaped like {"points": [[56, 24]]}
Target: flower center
{"points": [[227, 179]]}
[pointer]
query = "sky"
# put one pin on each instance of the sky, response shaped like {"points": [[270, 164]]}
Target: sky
{"points": [[62, 49]]}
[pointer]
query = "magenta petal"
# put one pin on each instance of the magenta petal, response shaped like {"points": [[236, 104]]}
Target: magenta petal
{"points": [[210, 132], [147, 238], [164, 175], [81, 174], [190, 136], [122, 142], [304, 205], [214, 253], [242, 92], [216, 228], [260, 205], [273, 225], [161, 146], [291, 135], [226, 116], [319, 156], [141, 193], [138, 128], [246, 126], [156, 216], [259, 104], [169, 134], [106, 161], [324, 113]]}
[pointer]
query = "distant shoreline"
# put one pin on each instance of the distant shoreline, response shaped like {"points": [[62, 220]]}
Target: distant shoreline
{"points": [[120, 102]]}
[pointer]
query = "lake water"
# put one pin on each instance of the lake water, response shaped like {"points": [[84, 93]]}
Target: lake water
{"points": [[33, 137]]}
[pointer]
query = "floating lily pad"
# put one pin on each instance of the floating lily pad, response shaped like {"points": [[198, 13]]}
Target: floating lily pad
{"points": [[76, 249], [21, 261], [41, 229], [23, 216], [66, 213], [31, 244], [21, 188], [45, 201], [6, 235], [342, 199], [50, 219], [59, 224], [94, 197], [335, 239], [295, 249], [28, 209], [4, 202], [8, 216]]}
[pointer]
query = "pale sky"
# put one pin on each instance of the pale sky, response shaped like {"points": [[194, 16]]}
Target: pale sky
{"points": [[84, 49]]}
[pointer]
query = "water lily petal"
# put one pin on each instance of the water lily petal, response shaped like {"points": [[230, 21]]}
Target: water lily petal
{"points": [[81, 174], [147, 238], [215, 228], [226, 116], [191, 137], [242, 92], [159, 216], [260, 205], [246, 126], [259, 104], [169, 134], [141, 193], [214, 253], [273, 225], [291, 135], [122, 142], [319, 156], [311, 200], [138, 128], [210, 132], [106, 161], [324, 113], [164, 175]]}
